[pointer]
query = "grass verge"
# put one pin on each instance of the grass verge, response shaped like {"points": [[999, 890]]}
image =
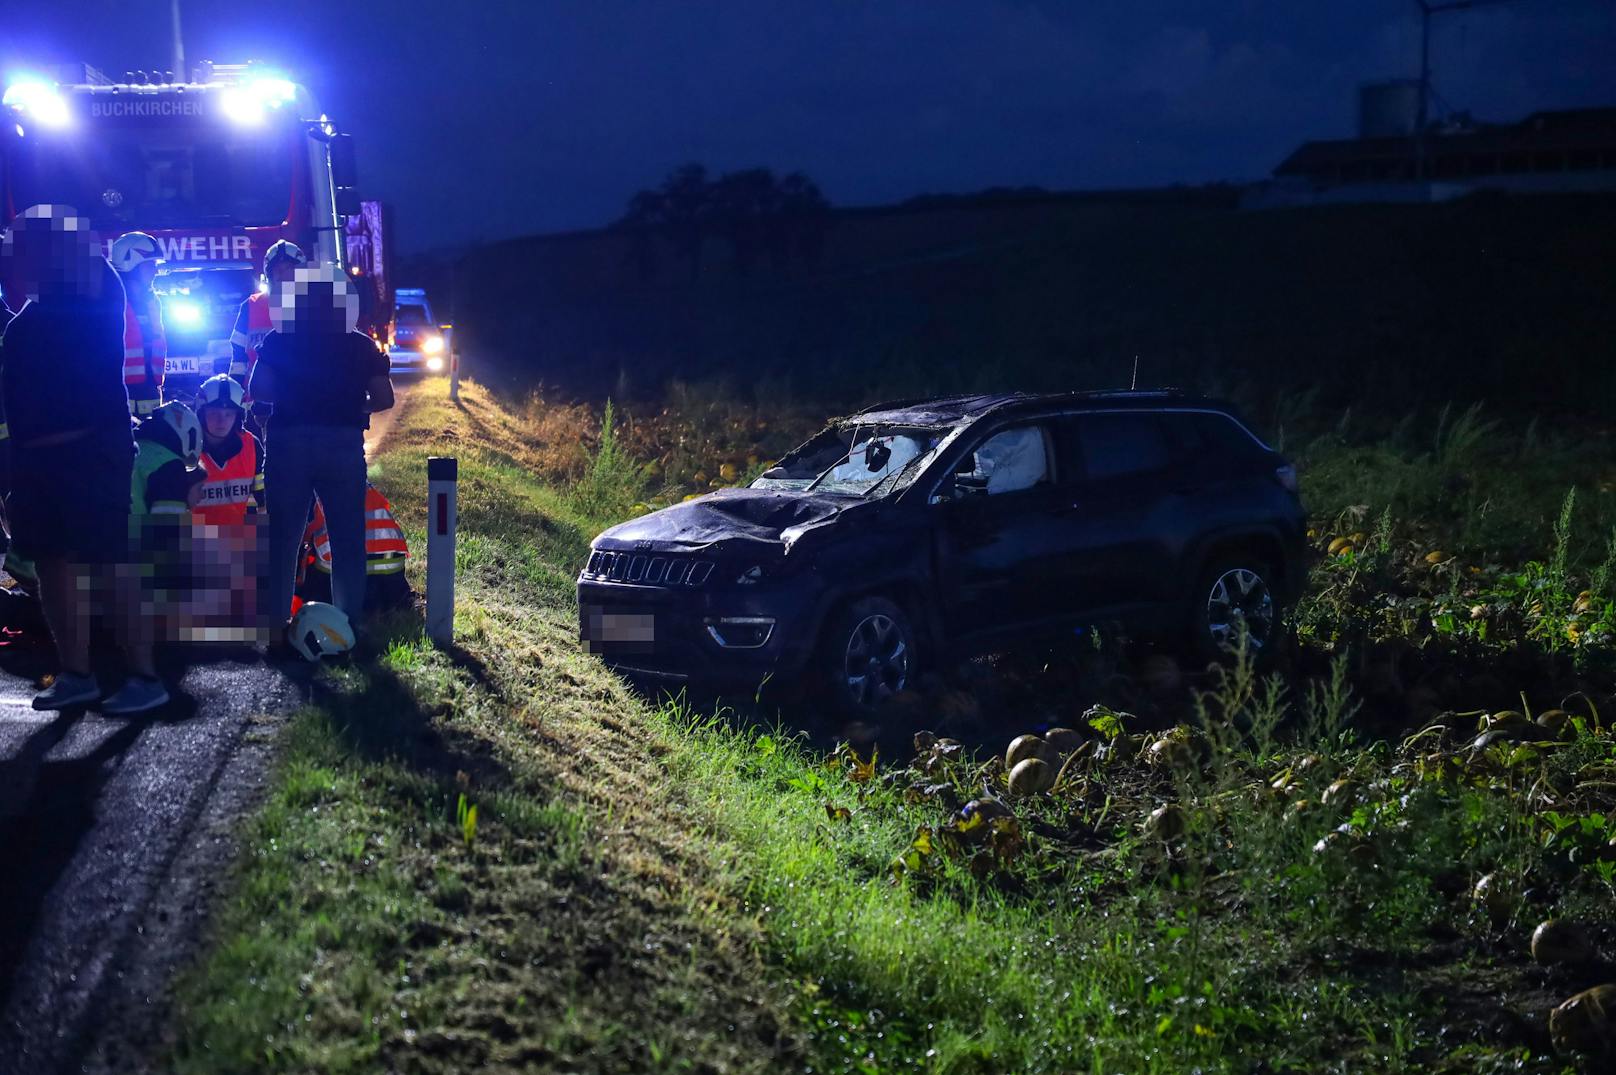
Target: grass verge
{"points": [[659, 889]]}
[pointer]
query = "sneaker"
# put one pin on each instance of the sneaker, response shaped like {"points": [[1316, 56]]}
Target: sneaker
{"points": [[67, 691], [137, 695]]}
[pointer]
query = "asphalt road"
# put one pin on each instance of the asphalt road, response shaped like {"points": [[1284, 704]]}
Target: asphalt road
{"points": [[95, 813], [113, 835]]}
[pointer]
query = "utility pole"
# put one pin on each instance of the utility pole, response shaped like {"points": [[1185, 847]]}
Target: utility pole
{"points": [[179, 44], [1423, 113]]}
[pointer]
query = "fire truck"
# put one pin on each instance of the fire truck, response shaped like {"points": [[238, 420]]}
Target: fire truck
{"points": [[217, 168]]}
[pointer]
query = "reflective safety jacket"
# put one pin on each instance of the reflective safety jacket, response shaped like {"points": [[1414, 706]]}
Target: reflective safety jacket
{"points": [[145, 351], [385, 548], [233, 488], [156, 487], [252, 325]]}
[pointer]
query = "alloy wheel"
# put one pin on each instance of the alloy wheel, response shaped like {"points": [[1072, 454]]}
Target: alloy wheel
{"points": [[1240, 601], [876, 663]]}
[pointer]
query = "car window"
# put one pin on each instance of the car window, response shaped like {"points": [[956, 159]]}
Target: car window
{"points": [[1118, 445], [1205, 433], [1007, 462]]}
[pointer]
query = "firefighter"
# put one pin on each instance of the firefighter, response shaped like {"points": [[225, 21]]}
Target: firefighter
{"points": [[136, 256], [168, 444], [385, 554], [253, 322], [232, 458]]}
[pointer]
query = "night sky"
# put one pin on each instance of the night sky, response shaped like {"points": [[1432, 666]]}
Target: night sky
{"points": [[481, 120]]}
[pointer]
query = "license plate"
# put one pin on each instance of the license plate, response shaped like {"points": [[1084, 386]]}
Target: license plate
{"points": [[186, 364], [634, 630]]}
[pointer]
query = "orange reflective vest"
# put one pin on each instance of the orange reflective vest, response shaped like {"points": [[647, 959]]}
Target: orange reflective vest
{"points": [[385, 548], [228, 490], [145, 351]]}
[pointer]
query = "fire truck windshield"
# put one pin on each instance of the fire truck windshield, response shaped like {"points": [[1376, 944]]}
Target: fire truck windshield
{"points": [[149, 176]]}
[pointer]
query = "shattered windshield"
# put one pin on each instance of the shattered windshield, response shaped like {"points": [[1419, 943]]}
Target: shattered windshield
{"points": [[877, 462]]}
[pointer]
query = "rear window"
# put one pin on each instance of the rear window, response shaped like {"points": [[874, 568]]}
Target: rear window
{"points": [[1117, 445], [1202, 433]]}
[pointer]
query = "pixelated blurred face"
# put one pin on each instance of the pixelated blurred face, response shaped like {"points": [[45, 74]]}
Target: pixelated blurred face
{"points": [[51, 253], [218, 422], [317, 300]]}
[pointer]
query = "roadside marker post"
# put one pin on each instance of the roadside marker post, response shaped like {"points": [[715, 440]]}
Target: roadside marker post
{"points": [[454, 364], [442, 482]]}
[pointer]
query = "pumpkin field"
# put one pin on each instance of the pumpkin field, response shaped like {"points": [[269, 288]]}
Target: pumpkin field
{"points": [[1395, 850]]}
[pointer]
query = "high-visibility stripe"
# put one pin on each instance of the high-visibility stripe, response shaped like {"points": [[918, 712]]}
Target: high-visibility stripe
{"points": [[138, 351]]}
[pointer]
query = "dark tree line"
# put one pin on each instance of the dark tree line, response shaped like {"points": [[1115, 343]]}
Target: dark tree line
{"points": [[760, 215]]}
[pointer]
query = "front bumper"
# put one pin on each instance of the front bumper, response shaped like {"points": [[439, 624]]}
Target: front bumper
{"points": [[679, 633]]}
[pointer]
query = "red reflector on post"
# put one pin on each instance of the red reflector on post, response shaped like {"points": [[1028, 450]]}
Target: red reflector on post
{"points": [[441, 474]]}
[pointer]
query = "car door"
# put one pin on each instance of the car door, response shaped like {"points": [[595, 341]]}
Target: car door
{"points": [[1000, 541], [1123, 520]]}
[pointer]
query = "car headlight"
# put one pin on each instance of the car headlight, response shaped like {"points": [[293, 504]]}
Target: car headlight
{"points": [[435, 363], [432, 345]]}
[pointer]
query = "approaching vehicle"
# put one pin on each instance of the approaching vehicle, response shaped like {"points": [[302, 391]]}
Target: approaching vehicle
{"points": [[417, 343], [920, 530], [218, 168]]}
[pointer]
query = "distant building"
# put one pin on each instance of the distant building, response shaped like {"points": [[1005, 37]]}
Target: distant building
{"points": [[1389, 162]]}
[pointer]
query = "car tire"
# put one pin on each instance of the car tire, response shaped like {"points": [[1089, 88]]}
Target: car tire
{"points": [[1230, 592], [866, 655]]}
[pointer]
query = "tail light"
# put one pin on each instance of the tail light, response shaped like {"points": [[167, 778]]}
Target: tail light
{"points": [[1286, 476]]}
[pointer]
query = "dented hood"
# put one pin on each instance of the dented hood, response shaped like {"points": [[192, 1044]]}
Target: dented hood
{"points": [[738, 518]]}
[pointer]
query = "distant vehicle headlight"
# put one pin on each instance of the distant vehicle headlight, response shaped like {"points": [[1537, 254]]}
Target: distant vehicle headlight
{"points": [[432, 345], [184, 312], [435, 363]]}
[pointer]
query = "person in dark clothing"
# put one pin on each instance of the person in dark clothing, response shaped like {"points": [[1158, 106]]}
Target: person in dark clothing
{"points": [[324, 380], [61, 376]]}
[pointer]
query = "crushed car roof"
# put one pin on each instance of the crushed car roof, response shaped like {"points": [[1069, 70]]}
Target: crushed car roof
{"points": [[949, 410]]}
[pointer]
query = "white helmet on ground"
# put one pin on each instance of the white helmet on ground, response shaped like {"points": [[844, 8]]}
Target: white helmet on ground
{"points": [[133, 249], [320, 630], [221, 388], [187, 426]]}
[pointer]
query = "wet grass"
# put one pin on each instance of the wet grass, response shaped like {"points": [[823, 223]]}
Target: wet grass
{"points": [[658, 888]]}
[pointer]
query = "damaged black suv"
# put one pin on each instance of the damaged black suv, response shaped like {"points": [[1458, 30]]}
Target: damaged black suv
{"points": [[922, 530]]}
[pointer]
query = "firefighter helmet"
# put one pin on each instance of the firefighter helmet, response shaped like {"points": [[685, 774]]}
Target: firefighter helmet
{"points": [[133, 249], [221, 388], [284, 250], [186, 426], [320, 630]]}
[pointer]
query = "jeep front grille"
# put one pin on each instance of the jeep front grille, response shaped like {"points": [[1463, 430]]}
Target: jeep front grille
{"points": [[648, 569]]}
